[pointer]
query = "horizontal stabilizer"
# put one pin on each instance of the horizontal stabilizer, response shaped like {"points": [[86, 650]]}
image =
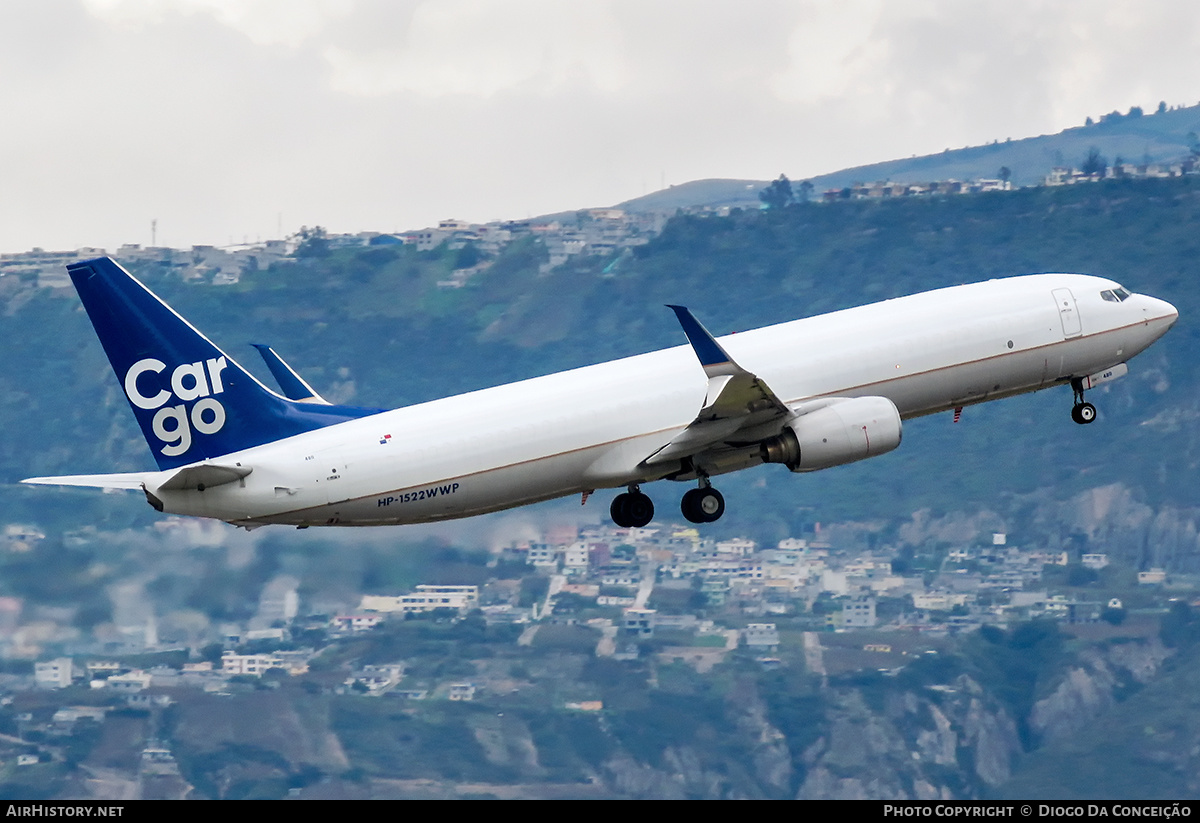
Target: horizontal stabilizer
{"points": [[204, 476], [294, 386], [133, 480]]}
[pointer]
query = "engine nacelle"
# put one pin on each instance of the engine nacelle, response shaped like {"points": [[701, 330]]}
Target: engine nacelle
{"points": [[844, 431]]}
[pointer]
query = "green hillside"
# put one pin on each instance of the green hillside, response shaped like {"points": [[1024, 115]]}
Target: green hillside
{"points": [[371, 326]]}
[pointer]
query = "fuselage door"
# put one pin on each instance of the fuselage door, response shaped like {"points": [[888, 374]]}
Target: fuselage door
{"points": [[1068, 313]]}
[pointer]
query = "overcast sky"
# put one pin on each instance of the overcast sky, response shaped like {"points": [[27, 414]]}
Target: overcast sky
{"points": [[230, 120]]}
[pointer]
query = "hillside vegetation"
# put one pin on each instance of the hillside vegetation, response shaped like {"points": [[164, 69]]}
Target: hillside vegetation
{"points": [[372, 326], [1037, 709]]}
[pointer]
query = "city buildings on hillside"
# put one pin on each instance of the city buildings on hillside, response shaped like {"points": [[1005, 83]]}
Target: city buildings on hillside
{"points": [[426, 599], [606, 233]]}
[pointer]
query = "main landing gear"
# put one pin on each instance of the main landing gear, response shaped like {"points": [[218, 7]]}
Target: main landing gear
{"points": [[702, 505], [634, 509], [1082, 412]]}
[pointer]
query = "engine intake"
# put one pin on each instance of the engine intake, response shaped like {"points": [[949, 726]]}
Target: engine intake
{"points": [[844, 431]]}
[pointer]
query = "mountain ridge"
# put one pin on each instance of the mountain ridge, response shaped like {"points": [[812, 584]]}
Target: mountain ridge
{"points": [[1153, 138]]}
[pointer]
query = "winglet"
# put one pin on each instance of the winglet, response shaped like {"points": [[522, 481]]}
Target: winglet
{"points": [[736, 399], [293, 385], [713, 358]]}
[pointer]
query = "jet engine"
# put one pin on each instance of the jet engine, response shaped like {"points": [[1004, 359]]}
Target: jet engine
{"points": [[843, 431]]}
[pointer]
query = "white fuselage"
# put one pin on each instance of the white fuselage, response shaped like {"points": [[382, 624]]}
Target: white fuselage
{"points": [[594, 427]]}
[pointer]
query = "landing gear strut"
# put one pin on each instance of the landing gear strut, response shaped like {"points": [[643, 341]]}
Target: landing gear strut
{"points": [[1082, 412], [702, 505], [632, 509]]}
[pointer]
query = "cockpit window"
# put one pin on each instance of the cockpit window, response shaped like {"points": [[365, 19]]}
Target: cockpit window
{"points": [[1117, 295]]}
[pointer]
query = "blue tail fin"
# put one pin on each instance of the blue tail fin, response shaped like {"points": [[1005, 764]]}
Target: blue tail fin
{"points": [[192, 401]]}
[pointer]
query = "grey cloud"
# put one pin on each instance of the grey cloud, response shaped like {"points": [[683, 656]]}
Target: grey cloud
{"points": [[190, 120]]}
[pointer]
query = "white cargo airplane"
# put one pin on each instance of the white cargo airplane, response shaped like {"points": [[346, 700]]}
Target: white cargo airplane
{"points": [[809, 394]]}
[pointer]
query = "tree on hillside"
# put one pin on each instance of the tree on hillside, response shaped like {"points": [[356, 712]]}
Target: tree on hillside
{"points": [[1162, 107], [779, 194], [1178, 628], [806, 190], [1095, 163], [1004, 174], [314, 242], [469, 255], [1135, 111]]}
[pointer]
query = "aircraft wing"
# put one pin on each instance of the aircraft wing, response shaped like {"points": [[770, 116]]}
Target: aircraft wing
{"points": [[736, 401]]}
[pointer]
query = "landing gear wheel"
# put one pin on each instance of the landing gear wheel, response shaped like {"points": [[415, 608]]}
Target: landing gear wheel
{"points": [[632, 510], [702, 505], [1083, 413]]}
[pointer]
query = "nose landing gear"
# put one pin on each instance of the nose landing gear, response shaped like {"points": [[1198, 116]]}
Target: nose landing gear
{"points": [[1082, 412]]}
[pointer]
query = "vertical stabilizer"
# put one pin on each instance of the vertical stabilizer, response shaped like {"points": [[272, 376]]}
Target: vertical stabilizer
{"points": [[192, 401]]}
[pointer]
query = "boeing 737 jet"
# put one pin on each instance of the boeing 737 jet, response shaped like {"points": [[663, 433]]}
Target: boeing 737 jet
{"points": [[808, 394]]}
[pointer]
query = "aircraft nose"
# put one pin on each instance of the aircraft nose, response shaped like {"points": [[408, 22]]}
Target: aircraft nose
{"points": [[1159, 315], [1162, 310]]}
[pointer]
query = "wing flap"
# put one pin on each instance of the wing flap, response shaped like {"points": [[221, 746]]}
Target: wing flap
{"points": [[697, 437]]}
